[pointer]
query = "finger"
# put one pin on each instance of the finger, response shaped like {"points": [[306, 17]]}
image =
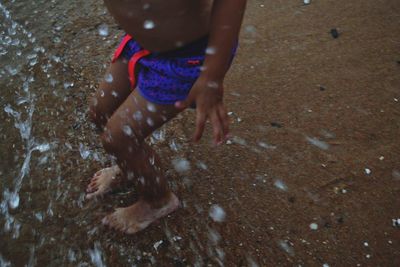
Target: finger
{"points": [[225, 120], [200, 123], [181, 104], [217, 127]]}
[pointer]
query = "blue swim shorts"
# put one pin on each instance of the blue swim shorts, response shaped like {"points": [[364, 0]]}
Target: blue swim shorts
{"points": [[163, 77]]}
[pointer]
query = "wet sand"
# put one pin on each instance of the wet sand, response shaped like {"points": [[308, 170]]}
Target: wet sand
{"points": [[316, 144]]}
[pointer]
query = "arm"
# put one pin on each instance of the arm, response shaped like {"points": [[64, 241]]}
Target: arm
{"points": [[207, 92]]}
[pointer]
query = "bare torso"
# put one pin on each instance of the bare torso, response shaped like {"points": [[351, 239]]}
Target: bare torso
{"points": [[162, 25]]}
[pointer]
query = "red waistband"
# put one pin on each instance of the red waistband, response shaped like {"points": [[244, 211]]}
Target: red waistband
{"points": [[132, 65], [134, 59], [121, 47]]}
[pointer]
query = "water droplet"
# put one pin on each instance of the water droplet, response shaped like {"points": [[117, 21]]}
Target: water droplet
{"points": [[114, 93], [56, 39], [179, 44], [266, 146], [148, 24], [280, 185], [313, 226], [127, 130], [212, 84], [157, 244], [43, 147], [68, 85], [137, 115], [210, 50], [146, 6], [151, 107], [108, 78], [39, 216], [150, 121], [201, 165], [285, 246], [181, 165], [214, 236], [217, 213], [320, 144], [83, 151], [103, 30], [13, 200]]}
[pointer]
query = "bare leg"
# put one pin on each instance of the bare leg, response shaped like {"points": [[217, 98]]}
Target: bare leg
{"points": [[124, 137], [112, 92]]}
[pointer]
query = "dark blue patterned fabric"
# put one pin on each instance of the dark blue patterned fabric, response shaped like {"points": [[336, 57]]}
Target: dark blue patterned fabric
{"points": [[167, 77]]}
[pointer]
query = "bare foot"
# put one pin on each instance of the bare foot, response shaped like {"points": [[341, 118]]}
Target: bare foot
{"points": [[138, 216], [103, 182]]}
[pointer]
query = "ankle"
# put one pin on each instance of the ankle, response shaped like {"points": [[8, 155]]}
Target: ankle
{"points": [[160, 201]]}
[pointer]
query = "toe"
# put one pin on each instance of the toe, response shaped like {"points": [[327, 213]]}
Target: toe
{"points": [[92, 187], [97, 174], [106, 220], [90, 195]]}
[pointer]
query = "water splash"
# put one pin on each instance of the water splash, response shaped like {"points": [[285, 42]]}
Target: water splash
{"points": [[96, 255], [4, 262]]}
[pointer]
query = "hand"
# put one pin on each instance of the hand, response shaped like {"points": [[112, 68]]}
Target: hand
{"points": [[209, 105]]}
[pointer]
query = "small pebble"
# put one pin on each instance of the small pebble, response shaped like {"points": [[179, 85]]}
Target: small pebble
{"points": [[276, 124], [367, 171], [334, 33], [365, 244], [306, 2]]}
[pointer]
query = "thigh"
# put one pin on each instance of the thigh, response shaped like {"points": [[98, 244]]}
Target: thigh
{"points": [[113, 89], [140, 116]]}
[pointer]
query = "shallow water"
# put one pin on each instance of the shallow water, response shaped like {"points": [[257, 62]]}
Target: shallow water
{"points": [[47, 144]]}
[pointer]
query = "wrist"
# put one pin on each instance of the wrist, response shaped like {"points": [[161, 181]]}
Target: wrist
{"points": [[211, 81]]}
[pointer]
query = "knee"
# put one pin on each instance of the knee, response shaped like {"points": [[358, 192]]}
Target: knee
{"points": [[121, 140]]}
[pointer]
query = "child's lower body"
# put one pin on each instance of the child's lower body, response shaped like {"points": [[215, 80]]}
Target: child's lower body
{"points": [[128, 116]]}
